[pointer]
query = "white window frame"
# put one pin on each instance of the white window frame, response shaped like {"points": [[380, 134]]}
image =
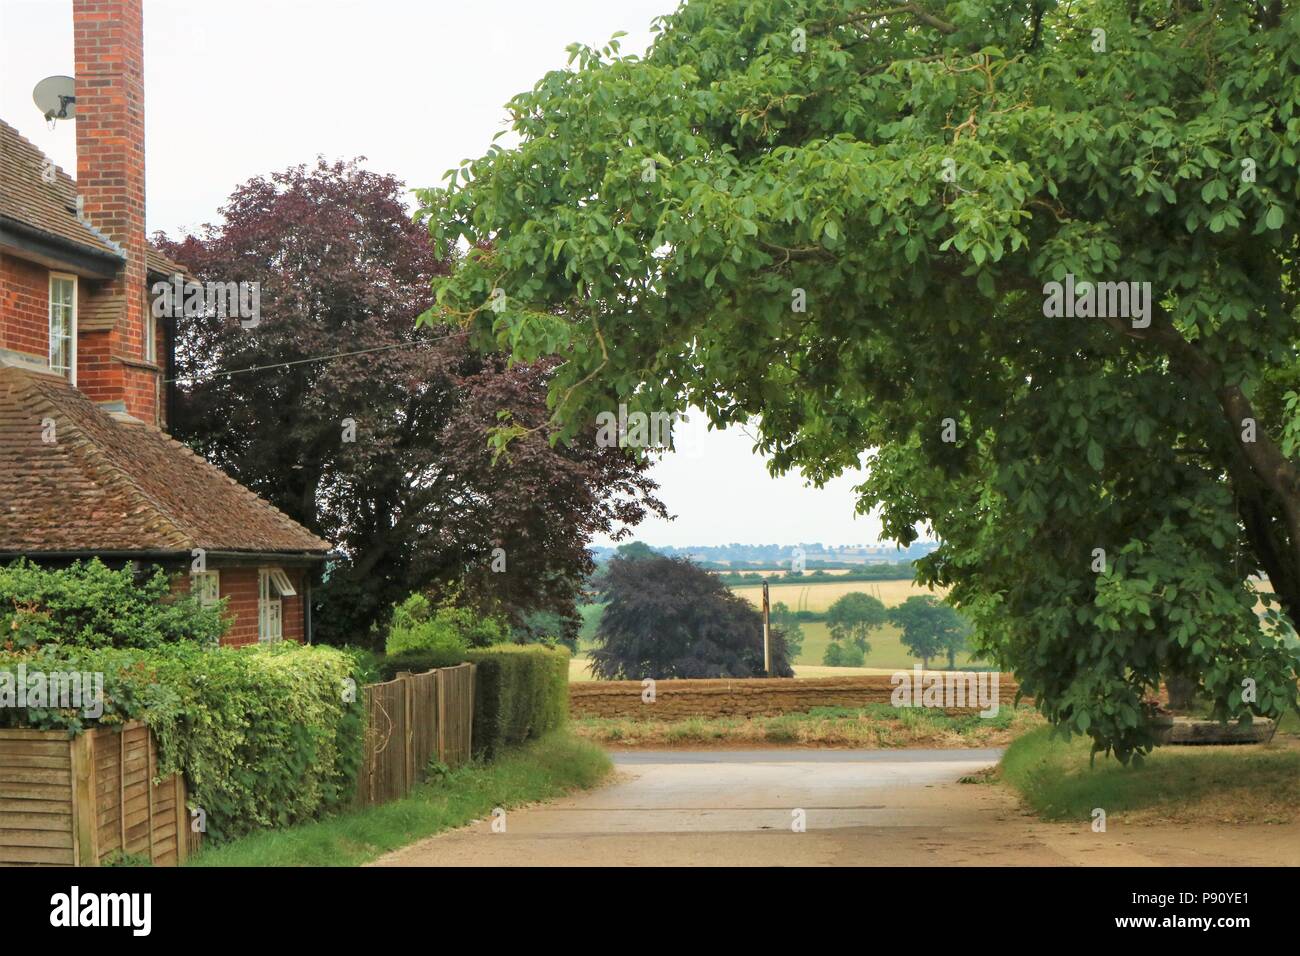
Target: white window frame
{"points": [[150, 330], [72, 329], [282, 583], [270, 609], [206, 586]]}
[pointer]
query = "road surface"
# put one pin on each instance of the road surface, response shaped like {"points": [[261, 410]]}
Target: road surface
{"points": [[859, 807]]}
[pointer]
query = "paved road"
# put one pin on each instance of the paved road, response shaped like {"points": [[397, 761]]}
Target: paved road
{"points": [[884, 807]]}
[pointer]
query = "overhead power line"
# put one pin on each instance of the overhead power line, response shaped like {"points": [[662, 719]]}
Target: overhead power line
{"points": [[318, 358]]}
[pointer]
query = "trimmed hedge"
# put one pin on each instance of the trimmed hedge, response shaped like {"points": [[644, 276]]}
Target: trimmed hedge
{"points": [[266, 736], [521, 692], [419, 661]]}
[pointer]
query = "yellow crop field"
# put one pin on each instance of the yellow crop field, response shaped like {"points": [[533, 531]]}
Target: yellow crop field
{"points": [[820, 596], [773, 572]]}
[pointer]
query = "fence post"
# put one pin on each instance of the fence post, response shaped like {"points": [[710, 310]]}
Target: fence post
{"points": [[84, 811], [182, 823], [408, 703], [473, 686], [441, 681]]}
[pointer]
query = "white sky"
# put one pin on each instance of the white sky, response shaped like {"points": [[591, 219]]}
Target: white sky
{"points": [[237, 88]]}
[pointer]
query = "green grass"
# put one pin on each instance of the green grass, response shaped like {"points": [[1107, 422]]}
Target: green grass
{"points": [[541, 770], [590, 614], [1057, 779], [886, 648]]}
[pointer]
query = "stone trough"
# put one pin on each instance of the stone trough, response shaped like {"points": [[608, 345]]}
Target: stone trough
{"points": [[1195, 731]]}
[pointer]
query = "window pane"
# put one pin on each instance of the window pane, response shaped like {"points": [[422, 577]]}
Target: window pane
{"points": [[62, 306]]}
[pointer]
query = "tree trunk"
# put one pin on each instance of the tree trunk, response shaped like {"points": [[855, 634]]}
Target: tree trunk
{"points": [[1182, 692]]}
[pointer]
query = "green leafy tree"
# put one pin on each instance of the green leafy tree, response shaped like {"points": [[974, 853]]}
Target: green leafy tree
{"points": [[635, 549], [841, 218], [930, 628], [782, 618], [843, 655], [853, 617]]}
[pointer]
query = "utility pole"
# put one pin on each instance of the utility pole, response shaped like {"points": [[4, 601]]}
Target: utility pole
{"points": [[767, 642]]}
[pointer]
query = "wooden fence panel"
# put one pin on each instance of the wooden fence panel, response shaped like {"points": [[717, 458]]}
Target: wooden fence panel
{"points": [[456, 713], [422, 692], [36, 805], [97, 796], [411, 720]]}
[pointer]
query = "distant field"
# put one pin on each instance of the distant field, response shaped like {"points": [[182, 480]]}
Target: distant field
{"points": [[769, 572], [578, 668], [886, 650], [887, 653], [819, 597], [590, 614]]}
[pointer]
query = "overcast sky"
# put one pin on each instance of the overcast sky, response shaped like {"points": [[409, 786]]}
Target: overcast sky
{"points": [[237, 88]]}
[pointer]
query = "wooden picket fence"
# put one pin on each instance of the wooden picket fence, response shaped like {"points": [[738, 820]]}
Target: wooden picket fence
{"points": [[410, 721], [79, 801]]}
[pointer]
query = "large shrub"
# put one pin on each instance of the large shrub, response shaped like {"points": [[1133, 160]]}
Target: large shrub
{"points": [[266, 736], [520, 692], [419, 625], [89, 605]]}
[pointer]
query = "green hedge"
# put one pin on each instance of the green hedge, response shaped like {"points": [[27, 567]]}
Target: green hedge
{"points": [[521, 692], [419, 661], [266, 736], [89, 605]]}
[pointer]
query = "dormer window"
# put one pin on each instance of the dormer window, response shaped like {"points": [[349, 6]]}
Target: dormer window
{"points": [[63, 325]]}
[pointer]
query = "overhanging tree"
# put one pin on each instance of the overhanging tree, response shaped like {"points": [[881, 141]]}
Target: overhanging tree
{"points": [[841, 216]]}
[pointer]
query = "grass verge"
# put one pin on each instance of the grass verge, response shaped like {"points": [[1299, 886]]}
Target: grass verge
{"points": [[1240, 784], [876, 725], [543, 769]]}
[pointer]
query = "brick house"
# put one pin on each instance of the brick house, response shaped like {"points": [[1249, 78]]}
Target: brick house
{"points": [[87, 468]]}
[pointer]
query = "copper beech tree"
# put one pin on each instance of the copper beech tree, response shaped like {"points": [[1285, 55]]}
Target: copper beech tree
{"points": [[374, 435]]}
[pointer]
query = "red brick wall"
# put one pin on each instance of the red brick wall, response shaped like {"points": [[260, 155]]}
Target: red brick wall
{"points": [[239, 588], [108, 37], [24, 307]]}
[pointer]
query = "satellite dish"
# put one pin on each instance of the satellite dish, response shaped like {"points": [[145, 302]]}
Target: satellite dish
{"points": [[56, 97]]}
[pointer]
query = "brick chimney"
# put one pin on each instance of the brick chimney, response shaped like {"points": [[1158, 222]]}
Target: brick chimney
{"points": [[109, 42]]}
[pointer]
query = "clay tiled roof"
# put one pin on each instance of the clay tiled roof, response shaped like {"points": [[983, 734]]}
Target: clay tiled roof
{"points": [[49, 207], [108, 483], [155, 261], [52, 207]]}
